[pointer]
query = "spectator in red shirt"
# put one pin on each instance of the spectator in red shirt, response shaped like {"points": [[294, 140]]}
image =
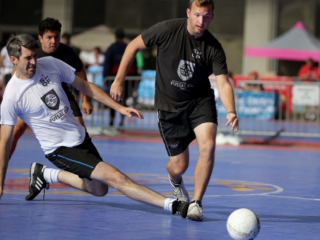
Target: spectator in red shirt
{"points": [[309, 71], [254, 75]]}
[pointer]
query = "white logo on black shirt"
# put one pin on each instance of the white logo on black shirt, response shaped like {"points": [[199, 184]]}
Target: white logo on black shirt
{"points": [[196, 54], [185, 70], [181, 85], [51, 100]]}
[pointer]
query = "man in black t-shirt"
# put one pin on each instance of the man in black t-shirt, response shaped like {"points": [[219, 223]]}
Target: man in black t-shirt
{"points": [[187, 55], [50, 45], [49, 42]]}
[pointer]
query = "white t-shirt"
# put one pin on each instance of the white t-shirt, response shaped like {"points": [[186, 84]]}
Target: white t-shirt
{"points": [[42, 104], [92, 59]]}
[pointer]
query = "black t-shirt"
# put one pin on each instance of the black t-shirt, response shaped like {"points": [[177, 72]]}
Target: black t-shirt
{"points": [[184, 63], [65, 54]]}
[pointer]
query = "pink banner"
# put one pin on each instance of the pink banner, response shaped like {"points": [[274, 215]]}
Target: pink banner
{"points": [[286, 54]]}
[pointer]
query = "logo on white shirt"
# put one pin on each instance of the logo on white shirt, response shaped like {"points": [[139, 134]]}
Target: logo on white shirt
{"points": [[44, 80], [51, 100]]}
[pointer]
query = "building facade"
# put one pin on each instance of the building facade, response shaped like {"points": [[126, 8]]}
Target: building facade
{"points": [[237, 23]]}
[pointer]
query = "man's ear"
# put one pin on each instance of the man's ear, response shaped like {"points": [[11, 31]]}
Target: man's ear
{"points": [[13, 60], [188, 12]]}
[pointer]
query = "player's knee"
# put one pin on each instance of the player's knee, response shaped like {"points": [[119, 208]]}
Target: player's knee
{"points": [[180, 171], [120, 179], [178, 166], [207, 149]]}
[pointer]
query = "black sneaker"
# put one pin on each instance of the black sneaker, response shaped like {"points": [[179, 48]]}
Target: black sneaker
{"points": [[37, 182], [180, 207]]}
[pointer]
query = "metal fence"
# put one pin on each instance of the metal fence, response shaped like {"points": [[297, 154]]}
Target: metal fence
{"points": [[279, 110], [296, 109]]}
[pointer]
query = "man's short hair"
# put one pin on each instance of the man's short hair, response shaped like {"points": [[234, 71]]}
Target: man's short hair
{"points": [[49, 24], [15, 42], [119, 33], [202, 3], [66, 35], [66, 38]]}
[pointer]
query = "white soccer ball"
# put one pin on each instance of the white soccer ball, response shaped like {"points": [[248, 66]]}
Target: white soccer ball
{"points": [[243, 224]]}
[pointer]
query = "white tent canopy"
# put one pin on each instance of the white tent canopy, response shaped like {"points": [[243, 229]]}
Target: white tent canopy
{"points": [[99, 36]]}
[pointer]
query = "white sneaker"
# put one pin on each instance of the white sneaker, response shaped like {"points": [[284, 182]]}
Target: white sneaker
{"points": [[179, 191], [195, 211]]}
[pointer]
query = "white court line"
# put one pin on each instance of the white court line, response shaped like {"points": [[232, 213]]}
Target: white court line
{"points": [[264, 195], [298, 198]]}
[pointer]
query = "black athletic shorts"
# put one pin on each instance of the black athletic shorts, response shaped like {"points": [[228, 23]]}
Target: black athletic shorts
{"points": [[73, 103], [176, 128], [80, 160]]}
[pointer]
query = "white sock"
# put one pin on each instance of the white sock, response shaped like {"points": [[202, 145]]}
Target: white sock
{"points": [[51, 175], [168, 204]]}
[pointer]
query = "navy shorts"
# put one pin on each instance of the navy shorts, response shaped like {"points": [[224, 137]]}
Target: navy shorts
{"points": [[177, 128], [80, 160]]}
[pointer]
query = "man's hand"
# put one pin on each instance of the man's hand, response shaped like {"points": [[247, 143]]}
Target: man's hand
{"points": [[233, 120], [116, 91], [87, 107], [131, 112]]}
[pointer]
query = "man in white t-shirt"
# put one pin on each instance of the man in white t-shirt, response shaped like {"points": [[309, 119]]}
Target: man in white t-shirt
{"points": [[35, 95]]}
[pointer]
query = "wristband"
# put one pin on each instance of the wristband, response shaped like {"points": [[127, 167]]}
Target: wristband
{"points": [[234, 112]]}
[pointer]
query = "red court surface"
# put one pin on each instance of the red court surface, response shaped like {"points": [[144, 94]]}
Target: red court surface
{"points": [[280, 184]]}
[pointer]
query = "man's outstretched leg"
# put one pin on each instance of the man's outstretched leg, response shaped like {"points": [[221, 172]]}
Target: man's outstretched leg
{"points": [[41, 176], [37, 181], [116, 179]]}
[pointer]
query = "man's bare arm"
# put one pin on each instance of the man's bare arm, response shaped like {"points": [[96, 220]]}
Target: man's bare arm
{"points": [[86, 101], [99, 95], [127, 59], [227, 97], [5, 146]]}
